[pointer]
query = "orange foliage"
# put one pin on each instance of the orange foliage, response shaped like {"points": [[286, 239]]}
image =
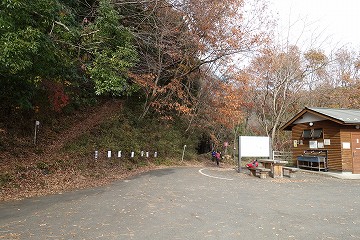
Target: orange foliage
{"points": [[226, 105], [188, 37]]}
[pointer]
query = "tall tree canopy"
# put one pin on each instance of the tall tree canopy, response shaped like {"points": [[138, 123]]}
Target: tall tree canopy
{"points": [[51, 44], [29, 36], [173, 53]]}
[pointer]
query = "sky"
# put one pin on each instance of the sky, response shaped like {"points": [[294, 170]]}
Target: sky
{"points": [[327, 23]]}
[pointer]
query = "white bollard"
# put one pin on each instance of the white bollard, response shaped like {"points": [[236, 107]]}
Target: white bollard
{"points": [[142, 153], [119, 154], [147, 154], [109, 154], [132, 154], [96, 155], [155, 154]]}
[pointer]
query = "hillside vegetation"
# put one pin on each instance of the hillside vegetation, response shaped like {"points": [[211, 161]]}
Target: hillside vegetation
{"points": [[63, 158], [104, 75]]}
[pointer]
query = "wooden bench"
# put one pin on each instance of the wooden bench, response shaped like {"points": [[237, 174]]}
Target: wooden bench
{"points": [[291, 171], [263, 171]]}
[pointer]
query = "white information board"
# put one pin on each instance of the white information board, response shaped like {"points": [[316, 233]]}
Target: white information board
{"points": [[254, 146]]}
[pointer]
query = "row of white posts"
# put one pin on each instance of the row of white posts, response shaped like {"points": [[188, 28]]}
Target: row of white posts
{"points": [[119, 154]]}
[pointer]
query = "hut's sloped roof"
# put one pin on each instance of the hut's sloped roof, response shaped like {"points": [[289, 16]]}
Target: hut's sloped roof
{"points": [[339, 115], [348, 116]]}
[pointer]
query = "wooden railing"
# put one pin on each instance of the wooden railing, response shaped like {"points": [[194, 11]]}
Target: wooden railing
{"points": [[285, 156]]}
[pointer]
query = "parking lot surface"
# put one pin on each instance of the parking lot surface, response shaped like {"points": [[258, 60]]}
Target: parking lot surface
{"points": [[193, 203]]}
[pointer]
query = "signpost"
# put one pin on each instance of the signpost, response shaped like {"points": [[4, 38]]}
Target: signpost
{"points": [[182, 158], [226, 144], [37, 124]]}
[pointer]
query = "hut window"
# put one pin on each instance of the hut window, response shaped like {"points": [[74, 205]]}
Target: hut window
{"points": [[306, 134], [317, 133], [312, 133]]}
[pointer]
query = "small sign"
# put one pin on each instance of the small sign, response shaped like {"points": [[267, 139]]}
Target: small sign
{"points": [[313, 144], [346, 145], [327, 142]]}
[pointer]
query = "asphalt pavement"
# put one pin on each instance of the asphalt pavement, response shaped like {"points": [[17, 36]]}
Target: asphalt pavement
{"points": [[193, 203]]}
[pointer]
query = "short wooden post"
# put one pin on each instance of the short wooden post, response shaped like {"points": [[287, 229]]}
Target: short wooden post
{"points": [[263, 174], [291, 174]]}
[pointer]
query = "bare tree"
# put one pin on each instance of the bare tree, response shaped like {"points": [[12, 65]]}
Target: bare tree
{"points": [[279, 79]]}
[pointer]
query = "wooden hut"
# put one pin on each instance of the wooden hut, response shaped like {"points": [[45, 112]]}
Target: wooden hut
{"points": [[326, 139]]}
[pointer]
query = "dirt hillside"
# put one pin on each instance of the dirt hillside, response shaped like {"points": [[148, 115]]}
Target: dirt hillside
{"points": [[33, 173]]}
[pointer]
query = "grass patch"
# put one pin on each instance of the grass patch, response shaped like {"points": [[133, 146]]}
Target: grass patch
{"points": [[123, 133]]}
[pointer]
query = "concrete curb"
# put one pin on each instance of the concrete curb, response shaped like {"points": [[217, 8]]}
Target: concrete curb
{"points": [[340, 175]]}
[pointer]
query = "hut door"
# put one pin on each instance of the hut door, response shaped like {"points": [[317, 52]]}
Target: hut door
{"points": [[355, 144]]}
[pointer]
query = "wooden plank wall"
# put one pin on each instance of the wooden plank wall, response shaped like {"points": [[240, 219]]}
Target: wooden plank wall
{"points": [[347, 160], [331, 131]]}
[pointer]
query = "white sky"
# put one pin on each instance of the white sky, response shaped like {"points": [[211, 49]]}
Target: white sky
{"points": [[336, 21]]}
